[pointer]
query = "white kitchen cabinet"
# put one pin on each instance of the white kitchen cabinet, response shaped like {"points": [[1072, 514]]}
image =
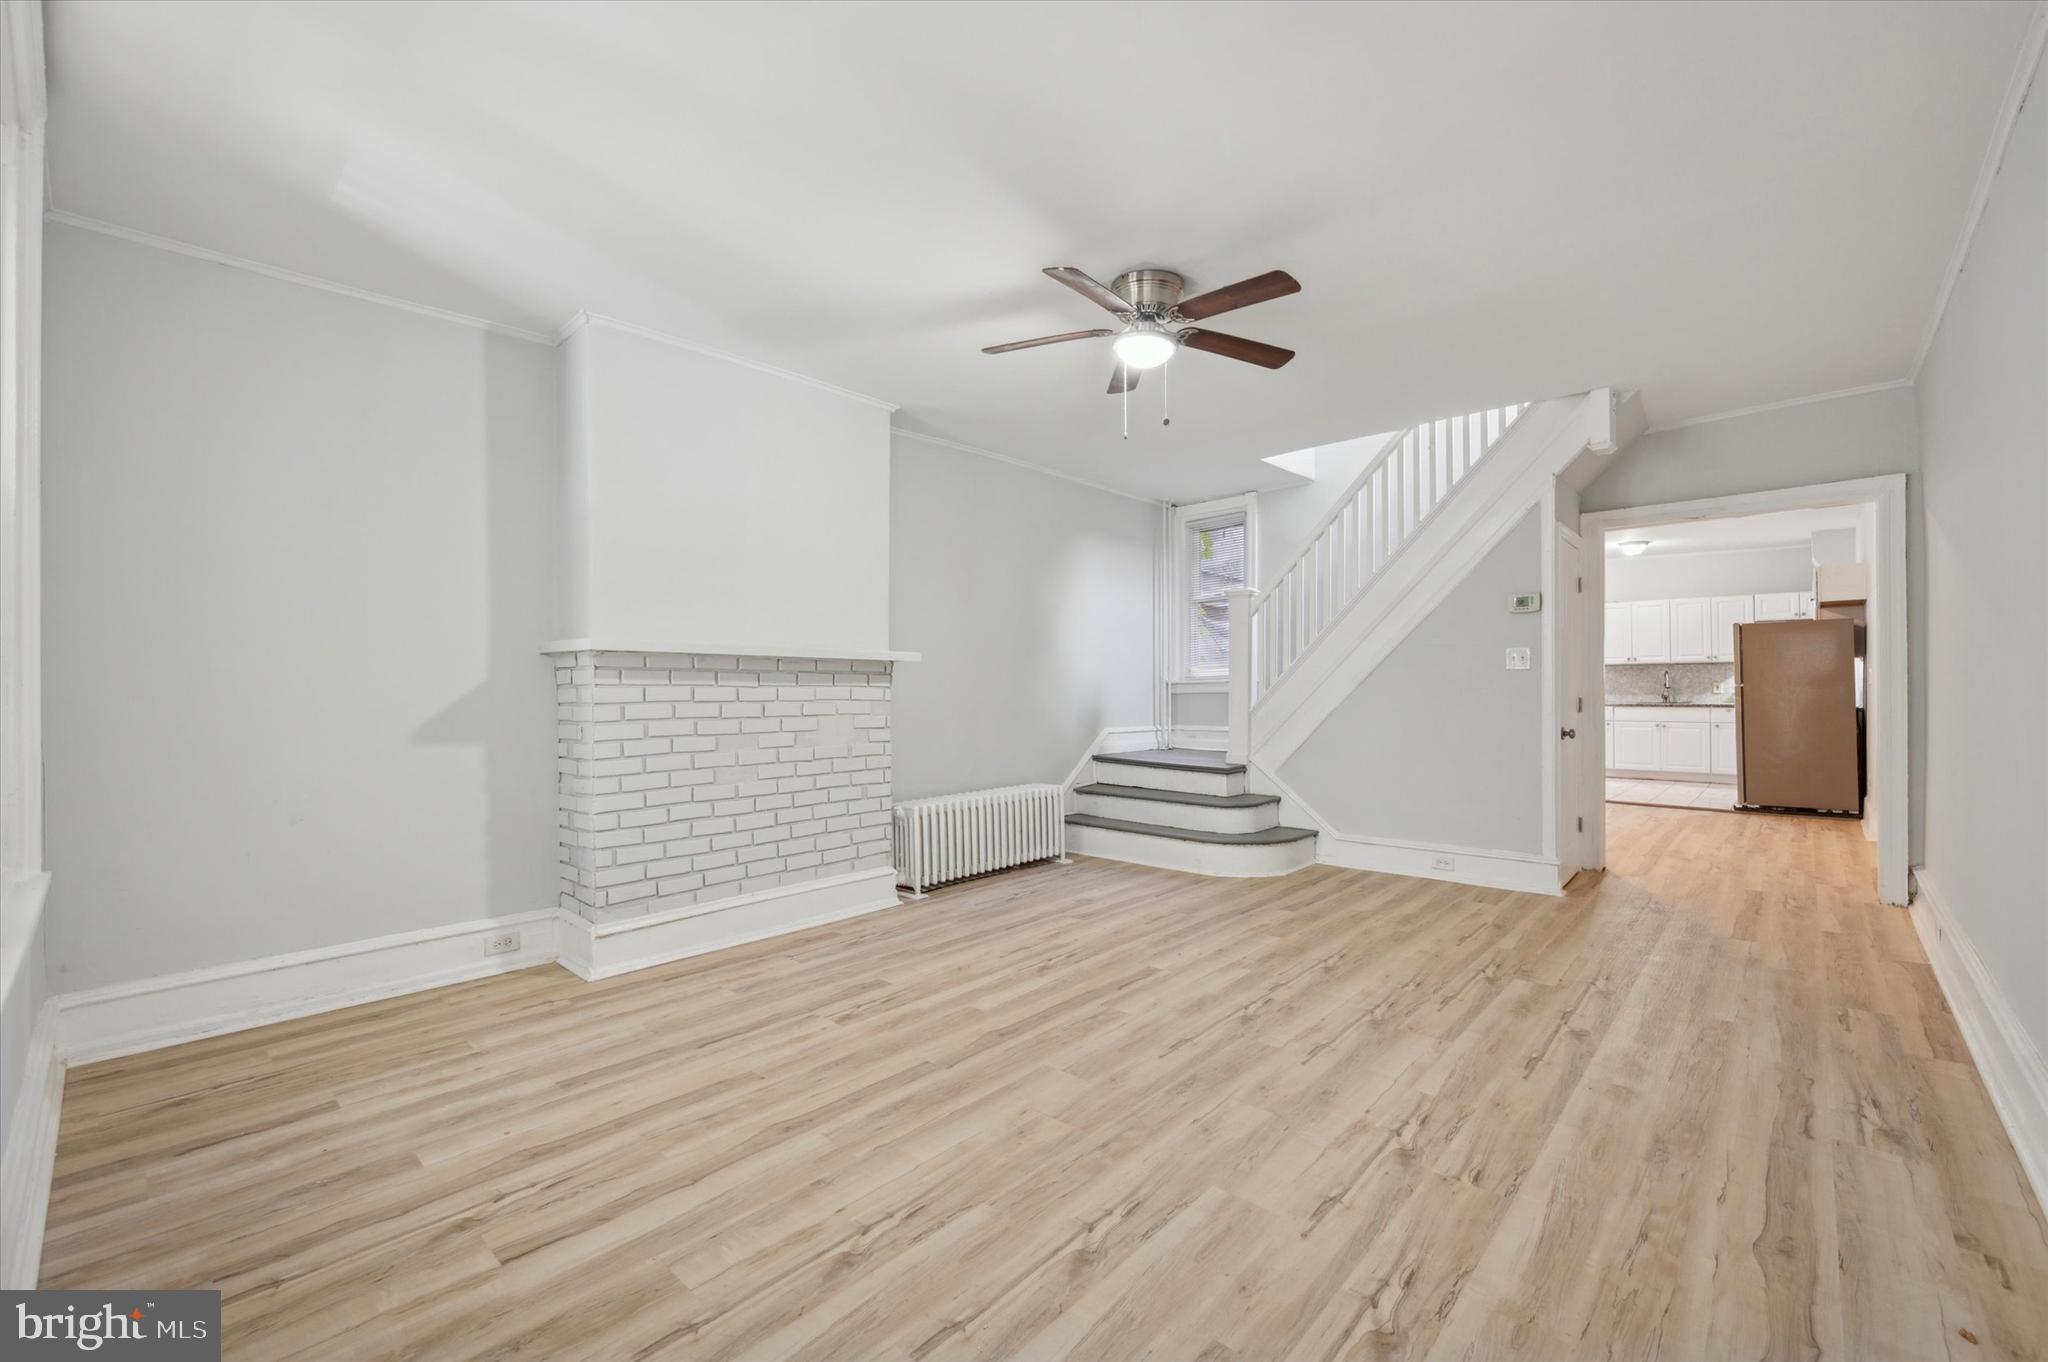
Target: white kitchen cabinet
{"points": [[1675, 740], [1635, 745], [1618, 633], [1683, 746], [1722, 731], [1777, 605], [1649, 627], [1804, 609], [1729, 611], [1692, 629]]}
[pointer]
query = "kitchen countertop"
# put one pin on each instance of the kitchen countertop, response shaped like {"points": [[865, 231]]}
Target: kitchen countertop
{"points": [[1673, 704]]}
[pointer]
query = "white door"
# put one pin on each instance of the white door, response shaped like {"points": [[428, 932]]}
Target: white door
{"points": [[1724, 747], [1692, 629], [1649, 624], [1777, 605], [1575, 726], [1730, 611], [1617, 633], [1682, 747], [1635, 745]]}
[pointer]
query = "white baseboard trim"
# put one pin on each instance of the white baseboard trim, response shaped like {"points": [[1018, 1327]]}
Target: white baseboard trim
{"points": [[1201, 737], [599, 951], [1467, 865], [2006, 1055], [147, 1014], [31, 1155]]}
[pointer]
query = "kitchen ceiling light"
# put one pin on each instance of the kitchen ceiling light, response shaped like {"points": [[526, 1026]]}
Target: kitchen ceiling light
{"points": [[1145, 345], [1631, 547]]}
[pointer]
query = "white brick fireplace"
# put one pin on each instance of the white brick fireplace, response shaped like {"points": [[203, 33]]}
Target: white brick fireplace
{"points": [[706, 800]]}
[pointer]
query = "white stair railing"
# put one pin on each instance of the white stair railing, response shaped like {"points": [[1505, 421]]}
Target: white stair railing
{"points": [[1375, 518]]}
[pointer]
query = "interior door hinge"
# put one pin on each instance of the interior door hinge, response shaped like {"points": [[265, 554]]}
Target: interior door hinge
{"points": [[1582, 825], [1582, 584], [1582, 704]]}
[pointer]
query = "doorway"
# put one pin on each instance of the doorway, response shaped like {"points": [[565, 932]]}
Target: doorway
{"points": [[1674, 668]]}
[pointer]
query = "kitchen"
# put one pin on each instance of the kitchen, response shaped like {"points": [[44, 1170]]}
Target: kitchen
{"points": [[1734, 663]]}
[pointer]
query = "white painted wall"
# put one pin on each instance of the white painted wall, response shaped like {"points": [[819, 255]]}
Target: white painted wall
{"points": [[727, 505], [1030, 598], [1441, 743], [300, 551], [1736, 572], [1289, 515], [1985, 640], [1828, 441]]}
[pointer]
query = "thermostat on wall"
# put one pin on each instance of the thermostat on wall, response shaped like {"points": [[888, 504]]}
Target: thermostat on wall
{"points": [[1527, 602]]}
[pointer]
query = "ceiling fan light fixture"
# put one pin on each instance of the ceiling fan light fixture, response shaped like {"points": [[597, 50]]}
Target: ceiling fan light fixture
{"points": [[1145, 344], [1632, 547]]}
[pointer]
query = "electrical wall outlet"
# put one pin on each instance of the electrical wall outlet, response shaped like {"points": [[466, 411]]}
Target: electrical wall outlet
{"points": [[1444, 863], [504, 943], [1518, 659]]}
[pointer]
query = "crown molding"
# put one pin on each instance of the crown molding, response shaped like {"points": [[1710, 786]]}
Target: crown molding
{"points": [[586, 319], [1025, 464], [1759, 410], [278, 272], [2024, 70]]}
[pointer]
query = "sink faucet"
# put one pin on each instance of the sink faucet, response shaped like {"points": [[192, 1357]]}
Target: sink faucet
{"points": [[1667, 685]]}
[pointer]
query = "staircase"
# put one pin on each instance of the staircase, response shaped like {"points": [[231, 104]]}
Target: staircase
{"points": [[1184, 810], [1406, 532]]}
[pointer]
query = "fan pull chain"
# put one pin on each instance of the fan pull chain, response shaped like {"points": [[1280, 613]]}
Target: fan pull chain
{"points": [[1125, 369], [1166, 394]]}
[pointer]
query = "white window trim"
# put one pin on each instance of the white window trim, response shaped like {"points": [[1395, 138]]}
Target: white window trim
{"points": [[1222, 510]]}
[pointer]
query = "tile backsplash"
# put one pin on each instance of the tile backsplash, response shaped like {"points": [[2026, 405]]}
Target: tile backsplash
{"points": [[1643, 682]]}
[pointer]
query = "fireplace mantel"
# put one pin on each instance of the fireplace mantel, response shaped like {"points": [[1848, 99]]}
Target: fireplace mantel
{"points": [[608, 645]]}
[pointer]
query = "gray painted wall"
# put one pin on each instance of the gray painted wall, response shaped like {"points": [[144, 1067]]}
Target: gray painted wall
{"points": [[1815, 442], [1201, 709], [1031, 599], [298, 555], [1442, 743], [1658, 577], [1986, 633]]}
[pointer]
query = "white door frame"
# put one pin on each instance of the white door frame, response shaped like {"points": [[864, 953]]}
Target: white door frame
{"points": [[1568, 777], [1888, 625]]}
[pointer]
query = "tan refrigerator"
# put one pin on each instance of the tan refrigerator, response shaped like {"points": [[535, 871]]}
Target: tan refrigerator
{"points": [[1796, 726]]}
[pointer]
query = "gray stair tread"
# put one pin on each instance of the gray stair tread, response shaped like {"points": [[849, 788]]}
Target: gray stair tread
{"points": [[1263, 837], [1175, 759], [1206, 801]]}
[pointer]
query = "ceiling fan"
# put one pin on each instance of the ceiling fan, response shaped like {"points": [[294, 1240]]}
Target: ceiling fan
{"points": [[1155, 318]]}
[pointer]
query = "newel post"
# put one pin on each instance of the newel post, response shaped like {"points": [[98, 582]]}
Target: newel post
{"points": [[1240, 599]]}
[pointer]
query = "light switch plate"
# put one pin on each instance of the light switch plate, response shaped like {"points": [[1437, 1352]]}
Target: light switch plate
{"points": [[1518, 659]]}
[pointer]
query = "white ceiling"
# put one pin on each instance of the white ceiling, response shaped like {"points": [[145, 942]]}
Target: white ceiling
{"points": [[1775, 530], [1720, 205]]}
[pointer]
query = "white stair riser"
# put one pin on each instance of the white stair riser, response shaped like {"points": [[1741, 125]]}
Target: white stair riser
{"points": [[1168, 778], [1197, 858], [1197, 816]]}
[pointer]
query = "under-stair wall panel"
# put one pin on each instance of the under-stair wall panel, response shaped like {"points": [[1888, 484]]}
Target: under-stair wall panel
{"points": [[1441, 743]]}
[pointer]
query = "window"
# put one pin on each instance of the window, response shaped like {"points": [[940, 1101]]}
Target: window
{"points": [[1213, 553]]}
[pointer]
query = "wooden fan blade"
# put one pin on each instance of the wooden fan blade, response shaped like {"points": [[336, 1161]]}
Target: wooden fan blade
{"points": [[1236, 347], [1048, 340], [1245, 292], [1124, 379], [1088, 288]]}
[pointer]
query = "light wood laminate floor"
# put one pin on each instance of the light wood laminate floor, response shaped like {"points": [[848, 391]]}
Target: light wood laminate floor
{"points": [[1710, 1105]]}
